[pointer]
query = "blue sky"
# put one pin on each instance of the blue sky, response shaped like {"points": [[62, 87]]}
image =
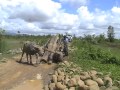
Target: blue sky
{"points": [[92, 4], [103, 4], [60, 16]]}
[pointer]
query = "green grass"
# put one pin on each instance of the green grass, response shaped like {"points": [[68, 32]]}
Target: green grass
{"points": [[9, 44], [82, 57], [105, 68], [15, 42], [113, 48]]}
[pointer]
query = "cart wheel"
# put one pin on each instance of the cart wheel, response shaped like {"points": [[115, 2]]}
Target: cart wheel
{"points": [[57, 57], [60, 58]]}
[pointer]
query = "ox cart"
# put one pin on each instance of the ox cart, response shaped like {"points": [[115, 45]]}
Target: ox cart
{"points": [[53, 50]]}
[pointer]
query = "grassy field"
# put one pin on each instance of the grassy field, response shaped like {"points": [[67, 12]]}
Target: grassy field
{"points": [[103, 55], [15, 42]]}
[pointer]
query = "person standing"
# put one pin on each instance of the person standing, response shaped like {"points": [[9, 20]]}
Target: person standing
{"points": [[65, 43]]}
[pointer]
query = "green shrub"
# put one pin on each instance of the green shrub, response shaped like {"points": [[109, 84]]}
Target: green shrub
{"points": [[88, 51], [101, 38], [88, 55]]}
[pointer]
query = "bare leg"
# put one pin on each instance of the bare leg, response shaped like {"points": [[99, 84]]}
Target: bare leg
{"points": [[36, 58], [30, 59], [21, 57], [50, 58], [27, 58]]}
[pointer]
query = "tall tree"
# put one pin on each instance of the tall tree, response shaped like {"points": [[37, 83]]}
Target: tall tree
{"points": [[2, 32], [110, 33], [2, 43]]}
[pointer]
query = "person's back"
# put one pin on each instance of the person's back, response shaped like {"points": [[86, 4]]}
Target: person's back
{"points": [[65, 38], [65, 41]]}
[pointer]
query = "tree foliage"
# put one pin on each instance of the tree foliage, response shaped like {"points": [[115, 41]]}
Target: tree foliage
{"points": [[2, 32], [110, 33]]}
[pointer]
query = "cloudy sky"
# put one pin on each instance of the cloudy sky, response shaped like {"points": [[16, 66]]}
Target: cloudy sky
{"points": [[59, 16]]}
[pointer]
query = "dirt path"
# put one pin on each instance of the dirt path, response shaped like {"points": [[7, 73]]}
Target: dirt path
{"points": [[16, 76]]}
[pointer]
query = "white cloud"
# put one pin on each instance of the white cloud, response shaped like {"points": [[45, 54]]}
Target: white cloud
{"points": [[47, 13], [84, 14], [35, 10], [98, 21], [47, 16], [63, 18], [116, 10], [19, 25]]}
